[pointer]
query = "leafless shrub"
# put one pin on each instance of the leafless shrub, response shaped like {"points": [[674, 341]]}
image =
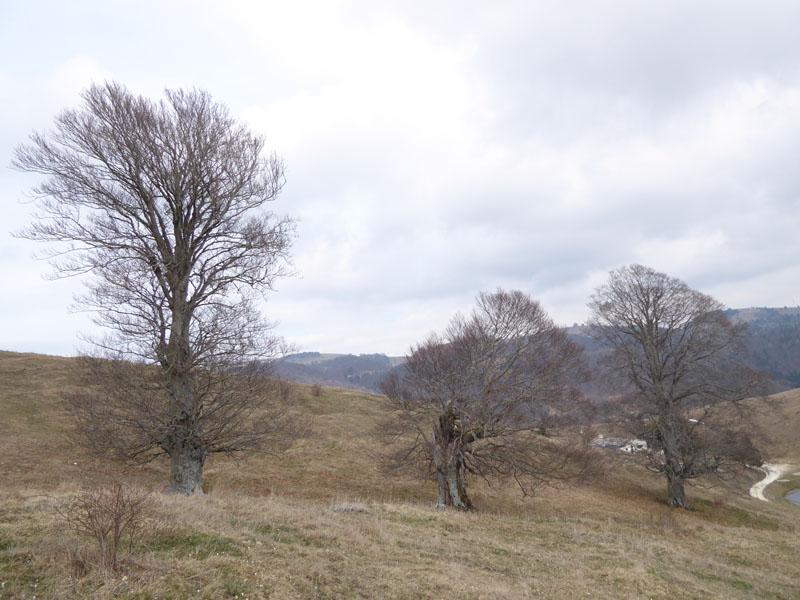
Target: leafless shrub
{"points": [[108, 515], [316, 390]]}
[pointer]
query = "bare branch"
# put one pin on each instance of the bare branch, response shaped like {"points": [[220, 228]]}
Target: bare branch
{"points": [[470, 399], [163, 205], [679, 355]]}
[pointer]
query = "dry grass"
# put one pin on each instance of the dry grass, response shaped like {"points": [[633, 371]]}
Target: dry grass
{"points": [[774, 417], [322, 522]]}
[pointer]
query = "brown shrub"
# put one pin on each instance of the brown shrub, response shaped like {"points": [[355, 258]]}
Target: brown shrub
{"points": [[108, 515]]}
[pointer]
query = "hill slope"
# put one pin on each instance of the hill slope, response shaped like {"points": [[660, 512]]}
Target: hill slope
{"points": [[774, 341], [321, 521], [361, 373]]}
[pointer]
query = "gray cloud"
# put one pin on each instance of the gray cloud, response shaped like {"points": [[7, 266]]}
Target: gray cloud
{"points": [[438, 149]]}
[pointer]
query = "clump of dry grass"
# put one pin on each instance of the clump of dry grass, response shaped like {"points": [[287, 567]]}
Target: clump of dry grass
{"points": [[323, 522], [346, 506]]}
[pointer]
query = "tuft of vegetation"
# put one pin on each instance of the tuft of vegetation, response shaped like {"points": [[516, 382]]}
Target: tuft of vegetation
{"points": [[194, 544]]}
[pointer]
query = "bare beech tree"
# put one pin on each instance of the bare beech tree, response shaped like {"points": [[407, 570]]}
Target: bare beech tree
{"points": [[161, 205], [679, 354], [469, 398]]}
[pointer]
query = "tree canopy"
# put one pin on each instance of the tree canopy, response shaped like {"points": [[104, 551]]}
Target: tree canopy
{"points": [[680, 358], [469, 400], [161, 205]]}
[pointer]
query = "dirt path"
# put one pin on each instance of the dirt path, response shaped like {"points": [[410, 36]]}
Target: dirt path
{"points": [[772, 472]]}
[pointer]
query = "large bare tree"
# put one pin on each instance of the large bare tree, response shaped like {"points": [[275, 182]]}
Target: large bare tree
{"points": [[679, 356], [468, 400], [162, 206]]}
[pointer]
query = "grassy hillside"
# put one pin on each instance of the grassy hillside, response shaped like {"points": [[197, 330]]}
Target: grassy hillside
{"points": [[777, 419], [321, 521]]}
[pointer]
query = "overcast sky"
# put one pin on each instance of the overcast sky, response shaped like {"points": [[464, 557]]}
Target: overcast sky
{"points": [[437, 149]]}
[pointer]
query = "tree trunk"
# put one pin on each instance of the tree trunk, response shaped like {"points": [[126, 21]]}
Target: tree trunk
{"points": [[186, 456], [676, 496], [674, 437], [449, 463], [186, 470]]}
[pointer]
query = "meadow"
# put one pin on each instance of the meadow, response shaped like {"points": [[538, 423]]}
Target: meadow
{"points": [[323, 521]]}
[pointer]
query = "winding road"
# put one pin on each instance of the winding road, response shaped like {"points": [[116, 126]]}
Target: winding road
{"points": [[772, 472]]}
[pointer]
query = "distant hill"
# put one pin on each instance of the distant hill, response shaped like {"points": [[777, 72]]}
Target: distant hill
{"points": [[362, 372], [773, 346], [774, 341]]}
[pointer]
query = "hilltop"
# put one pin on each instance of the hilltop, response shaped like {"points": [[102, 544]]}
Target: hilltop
{"points": [[322, 521]]}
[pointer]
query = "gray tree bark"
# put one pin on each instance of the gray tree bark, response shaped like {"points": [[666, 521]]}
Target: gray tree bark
{"points": [[676, 496], [186, 470], [449, 463]]}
